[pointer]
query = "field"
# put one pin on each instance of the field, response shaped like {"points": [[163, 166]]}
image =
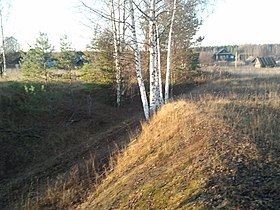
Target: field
{"points": [[214, 147]]}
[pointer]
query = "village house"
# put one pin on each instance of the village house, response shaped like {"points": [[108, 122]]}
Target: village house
{"points": [[223, 55], [264, 62], [12, 60]]}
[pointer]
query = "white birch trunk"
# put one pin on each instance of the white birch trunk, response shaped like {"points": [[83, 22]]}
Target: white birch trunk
{"points": [[4, 71], [159, 68], [152, 49], [116, 53], [124, 23], [167, 81], [122, 44], [157, 93], [141, 84], [119, 22]]}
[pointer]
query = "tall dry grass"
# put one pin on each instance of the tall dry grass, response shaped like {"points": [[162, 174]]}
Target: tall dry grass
{"points": [[155, 159], [51, 131], [216, 148]]}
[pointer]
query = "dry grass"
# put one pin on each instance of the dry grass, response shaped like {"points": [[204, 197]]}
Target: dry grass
{"points": [[64, 191], [150, 170], [12, 75], [217, 148], [250, 104], [48, 136]]}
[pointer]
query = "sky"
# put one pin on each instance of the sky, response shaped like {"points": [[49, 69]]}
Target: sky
{"points": [[242, 22], [28, 18], [231, 22]]}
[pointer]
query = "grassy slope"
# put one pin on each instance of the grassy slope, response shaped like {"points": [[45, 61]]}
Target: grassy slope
{"points": [[59, 130], [56, 140], [215, 149]]}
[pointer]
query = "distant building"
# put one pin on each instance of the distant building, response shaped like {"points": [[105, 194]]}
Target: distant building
{"points": [[12, 60], [250, 60], [80, 59], [264, 62], [223, 55]]}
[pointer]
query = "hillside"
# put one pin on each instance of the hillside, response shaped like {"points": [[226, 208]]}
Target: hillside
{"points": [[50, 134], [66, 146], [56, 139], [216, 148]]}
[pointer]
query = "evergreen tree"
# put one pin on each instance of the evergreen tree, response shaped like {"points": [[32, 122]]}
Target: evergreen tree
{"points": [[35, 62], [67, 55], [101, 68]]}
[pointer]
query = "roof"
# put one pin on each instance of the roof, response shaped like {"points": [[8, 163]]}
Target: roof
{"points": [[265, 61], [250, 59], [222, 51], [11, 58]]}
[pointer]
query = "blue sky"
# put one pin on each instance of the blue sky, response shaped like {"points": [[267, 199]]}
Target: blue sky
{"points": [[232, 22]]}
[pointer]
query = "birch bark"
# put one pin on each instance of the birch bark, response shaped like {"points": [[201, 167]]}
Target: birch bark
{"points": [[4, 71], [152, 66], [138, 67], [117, 53], [159, 68], [167, 80]]}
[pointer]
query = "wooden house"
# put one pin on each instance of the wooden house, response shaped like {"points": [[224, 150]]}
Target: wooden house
{"points": [[80, 59], [223, 55], [12, 60], [264, 62]]}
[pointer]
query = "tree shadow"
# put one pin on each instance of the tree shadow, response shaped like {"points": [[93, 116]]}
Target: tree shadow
{"points": [[45, 131]]}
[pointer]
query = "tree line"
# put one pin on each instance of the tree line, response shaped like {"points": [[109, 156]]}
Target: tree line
{"points": [[144, 42]]}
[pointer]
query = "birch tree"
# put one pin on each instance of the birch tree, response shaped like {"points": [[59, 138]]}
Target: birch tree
{"points": [[159, 67], [116, 32], [155, 13], [156, 95], [116, 16], [3, 72], [168, 63], [138, 67], [5, 6], [152, 65]]}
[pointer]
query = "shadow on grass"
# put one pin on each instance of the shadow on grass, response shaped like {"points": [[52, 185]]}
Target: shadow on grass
{"points": [[60, 130], [46, 130]]}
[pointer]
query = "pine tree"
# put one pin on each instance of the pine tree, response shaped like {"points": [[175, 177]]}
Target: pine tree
{"points": [[100, 53], [35, 61], [66, 56]]}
